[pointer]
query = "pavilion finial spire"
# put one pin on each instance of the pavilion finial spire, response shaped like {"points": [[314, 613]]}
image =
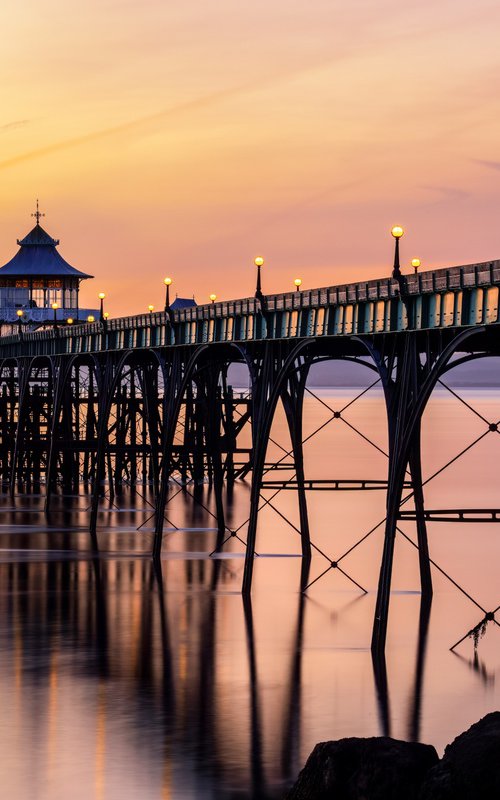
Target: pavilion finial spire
{"points": [[37, 213]]}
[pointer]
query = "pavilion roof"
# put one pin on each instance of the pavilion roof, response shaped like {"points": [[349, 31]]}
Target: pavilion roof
{"points": [[183, 302], [38, 257]]}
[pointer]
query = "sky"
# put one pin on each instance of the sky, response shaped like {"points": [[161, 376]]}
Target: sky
{"points": [[184, 139]]}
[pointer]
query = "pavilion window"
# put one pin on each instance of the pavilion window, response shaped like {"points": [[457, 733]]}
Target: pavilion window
{"points": [[53, 295], [38, 296]]}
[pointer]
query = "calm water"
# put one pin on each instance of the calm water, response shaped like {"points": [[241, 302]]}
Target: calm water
{"points": [[117, 683]]}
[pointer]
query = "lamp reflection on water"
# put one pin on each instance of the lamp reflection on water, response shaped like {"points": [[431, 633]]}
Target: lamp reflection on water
{"points": [[118, 651]]}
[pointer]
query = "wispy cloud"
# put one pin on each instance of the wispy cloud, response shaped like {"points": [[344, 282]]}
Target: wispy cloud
{"points": [[278, 76], [488, 164], [448, 191], [124, 127], [152, 119], [18, 123]]}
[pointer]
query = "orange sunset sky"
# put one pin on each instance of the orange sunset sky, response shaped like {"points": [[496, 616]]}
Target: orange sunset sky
{"points": [[185, 138]]}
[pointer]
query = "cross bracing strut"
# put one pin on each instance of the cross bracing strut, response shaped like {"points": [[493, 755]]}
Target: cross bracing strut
{"points": [[329, 485], [55, 434], [455, 515]]}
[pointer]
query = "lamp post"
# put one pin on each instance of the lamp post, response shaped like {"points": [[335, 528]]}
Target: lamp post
{"points": [[101, 297], [167, 282], [20, 313], [415, 262], [150, 309], [397, 231], [409, 303], [105, 315], [55, 306], [213, 297], [298, 283], [259, 261]]}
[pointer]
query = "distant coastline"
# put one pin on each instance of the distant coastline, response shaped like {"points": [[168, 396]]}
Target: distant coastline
{"points": [[480, 374]]}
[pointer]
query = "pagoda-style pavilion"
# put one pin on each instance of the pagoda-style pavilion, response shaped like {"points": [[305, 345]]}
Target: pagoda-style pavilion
{"points": [[40, 283]]}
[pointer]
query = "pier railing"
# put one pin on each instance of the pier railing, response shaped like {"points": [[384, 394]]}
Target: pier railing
{"points": [[454, 296]]}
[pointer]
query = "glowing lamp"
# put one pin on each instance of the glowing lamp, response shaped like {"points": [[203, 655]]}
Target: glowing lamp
{"points": [[70, 321], [90, 318], [19, 313], [397, 231], [167, 281], [258, 289]]}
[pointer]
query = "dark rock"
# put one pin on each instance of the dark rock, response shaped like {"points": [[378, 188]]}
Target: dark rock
{"points": [[364, 769], [470, 767]]}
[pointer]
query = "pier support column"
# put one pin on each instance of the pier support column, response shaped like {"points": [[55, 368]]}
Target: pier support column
{"points": [[415, 464], [206, 444], [394, 491], [22, 413], [60, 434], [104, 404], [261, 423], [293, 400], [152, 423], [276, 365], [213, 439], [401, 395], [174, 390]]}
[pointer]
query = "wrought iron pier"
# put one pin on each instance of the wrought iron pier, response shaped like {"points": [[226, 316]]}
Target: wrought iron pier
{"points": [[147, 398]]}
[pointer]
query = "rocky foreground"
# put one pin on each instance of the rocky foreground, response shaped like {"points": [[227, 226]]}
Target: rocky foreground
{"points": [[387, 769]]}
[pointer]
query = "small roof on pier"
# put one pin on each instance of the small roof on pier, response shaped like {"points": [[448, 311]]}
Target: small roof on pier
{"points": [[38, 257], [183, 302]]}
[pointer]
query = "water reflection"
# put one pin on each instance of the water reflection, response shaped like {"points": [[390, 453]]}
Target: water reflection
{"points": [[153, 659], [416, 704], [290, 756], [257, 771], [122, 679], [478, 667], [169, 698], [382, 688]]}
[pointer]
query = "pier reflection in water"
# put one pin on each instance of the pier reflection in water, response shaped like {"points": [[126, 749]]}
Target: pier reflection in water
{"points": [[119, 681]]}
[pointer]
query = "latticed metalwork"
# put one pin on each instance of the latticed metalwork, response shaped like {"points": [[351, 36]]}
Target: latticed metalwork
{"points": [[146, 400]]}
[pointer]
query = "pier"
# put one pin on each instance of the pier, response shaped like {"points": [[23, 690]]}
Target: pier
{"points": [[144, 399]]}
